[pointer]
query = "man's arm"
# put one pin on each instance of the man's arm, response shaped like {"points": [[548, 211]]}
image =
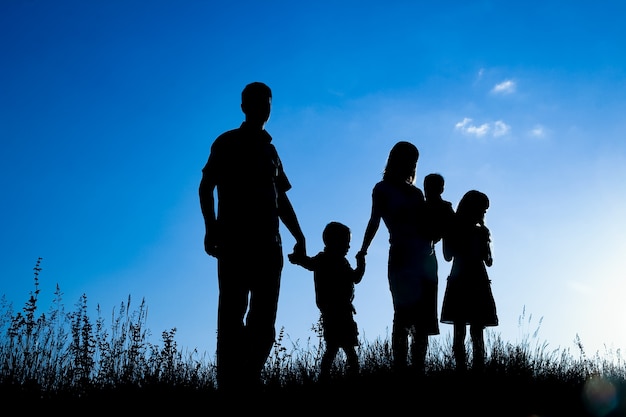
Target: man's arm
{"points": [[288, 217], [207, 205]]}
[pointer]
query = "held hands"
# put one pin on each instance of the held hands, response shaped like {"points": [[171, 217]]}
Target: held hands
{"points": [[360, 257], [299, 253]]}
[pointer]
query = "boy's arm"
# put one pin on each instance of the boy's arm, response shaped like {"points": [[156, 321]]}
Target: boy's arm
{"points": [[304, 261]]}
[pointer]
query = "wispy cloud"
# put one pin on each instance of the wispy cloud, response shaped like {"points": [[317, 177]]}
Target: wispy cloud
{"points": [[497, 129], [538, 132], [505, 87], [500, 128], [466, 126]]}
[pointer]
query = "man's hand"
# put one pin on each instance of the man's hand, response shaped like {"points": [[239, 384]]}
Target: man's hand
{"points": [[210, 246]]}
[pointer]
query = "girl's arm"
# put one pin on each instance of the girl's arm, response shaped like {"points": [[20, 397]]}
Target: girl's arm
{"points": [[488, 256]]}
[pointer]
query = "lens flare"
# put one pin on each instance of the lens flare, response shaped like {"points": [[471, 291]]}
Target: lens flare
{"points": [[600, 396]]}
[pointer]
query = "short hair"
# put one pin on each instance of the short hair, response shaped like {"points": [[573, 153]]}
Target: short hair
{"points": [[434, 182], [254, 92], [334, 231]]}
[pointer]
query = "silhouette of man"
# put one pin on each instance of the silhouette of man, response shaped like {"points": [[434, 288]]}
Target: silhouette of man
{"points": [[251, 186]]}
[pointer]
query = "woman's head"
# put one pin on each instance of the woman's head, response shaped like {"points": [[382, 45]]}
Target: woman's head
{"points": [[402, 162]]}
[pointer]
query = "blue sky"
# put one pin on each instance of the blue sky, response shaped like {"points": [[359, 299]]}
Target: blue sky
{"points": [[108, 110]]}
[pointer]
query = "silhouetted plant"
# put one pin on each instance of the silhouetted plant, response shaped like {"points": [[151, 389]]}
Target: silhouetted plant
{"points": [[61, 353]]}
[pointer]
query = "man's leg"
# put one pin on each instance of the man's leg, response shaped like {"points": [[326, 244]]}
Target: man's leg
{"points": [[261, 318], [232, 305]]}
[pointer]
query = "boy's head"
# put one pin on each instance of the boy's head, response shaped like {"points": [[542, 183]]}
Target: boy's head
{"points": [[256, 102], [336, 237], [433, 185]]}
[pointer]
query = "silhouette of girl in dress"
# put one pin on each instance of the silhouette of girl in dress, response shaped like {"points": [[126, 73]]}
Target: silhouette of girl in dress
{"points": [[468, 299]]}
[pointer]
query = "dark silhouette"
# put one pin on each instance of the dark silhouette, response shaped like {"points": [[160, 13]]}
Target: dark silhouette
{"points": [[412, 266], [245, 170], [438, 211], [334, 292], [468, 299]]}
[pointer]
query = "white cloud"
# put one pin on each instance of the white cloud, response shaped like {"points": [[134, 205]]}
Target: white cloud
{"points": [[505, 87], [466, 126], [538, 132], [500, 128]]}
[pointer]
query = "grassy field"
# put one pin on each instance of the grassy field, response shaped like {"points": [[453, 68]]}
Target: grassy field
{"points": [[66, 361]]}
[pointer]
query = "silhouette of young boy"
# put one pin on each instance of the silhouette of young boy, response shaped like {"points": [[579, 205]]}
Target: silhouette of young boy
{"points": [[251, 186], [334, 292], [439, 211]]}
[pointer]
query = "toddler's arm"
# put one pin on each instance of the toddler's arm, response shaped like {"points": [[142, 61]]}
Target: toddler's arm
{"points": [[304, 261]]}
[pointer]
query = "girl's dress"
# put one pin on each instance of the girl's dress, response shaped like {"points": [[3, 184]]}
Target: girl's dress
{"points": [[468, 298]]}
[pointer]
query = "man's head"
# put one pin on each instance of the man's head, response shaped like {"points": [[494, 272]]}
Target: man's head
{"points": [[256, 103]]}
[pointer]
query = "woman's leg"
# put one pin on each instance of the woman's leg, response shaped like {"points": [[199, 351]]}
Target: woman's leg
{"points": [[399, 340], [419, 347]]}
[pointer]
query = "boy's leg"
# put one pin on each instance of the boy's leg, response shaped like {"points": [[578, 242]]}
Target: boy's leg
{"points": [[327, 361], [353, 360]]}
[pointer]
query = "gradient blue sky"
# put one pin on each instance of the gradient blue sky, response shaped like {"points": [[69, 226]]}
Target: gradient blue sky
{"points": [[108, 110]]}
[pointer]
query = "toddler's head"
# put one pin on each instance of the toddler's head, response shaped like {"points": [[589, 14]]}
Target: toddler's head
{"points": [[433, 185], [336, 237]]}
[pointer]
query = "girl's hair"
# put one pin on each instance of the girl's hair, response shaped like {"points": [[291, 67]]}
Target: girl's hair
{"points": [[401, 163], [472, 204]]}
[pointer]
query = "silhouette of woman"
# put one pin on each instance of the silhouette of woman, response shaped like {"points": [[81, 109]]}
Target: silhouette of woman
{"points": [[412, 266], [468, 299]]}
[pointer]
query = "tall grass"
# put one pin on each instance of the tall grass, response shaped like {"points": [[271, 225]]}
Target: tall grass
{"points": [[66, 354]]}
